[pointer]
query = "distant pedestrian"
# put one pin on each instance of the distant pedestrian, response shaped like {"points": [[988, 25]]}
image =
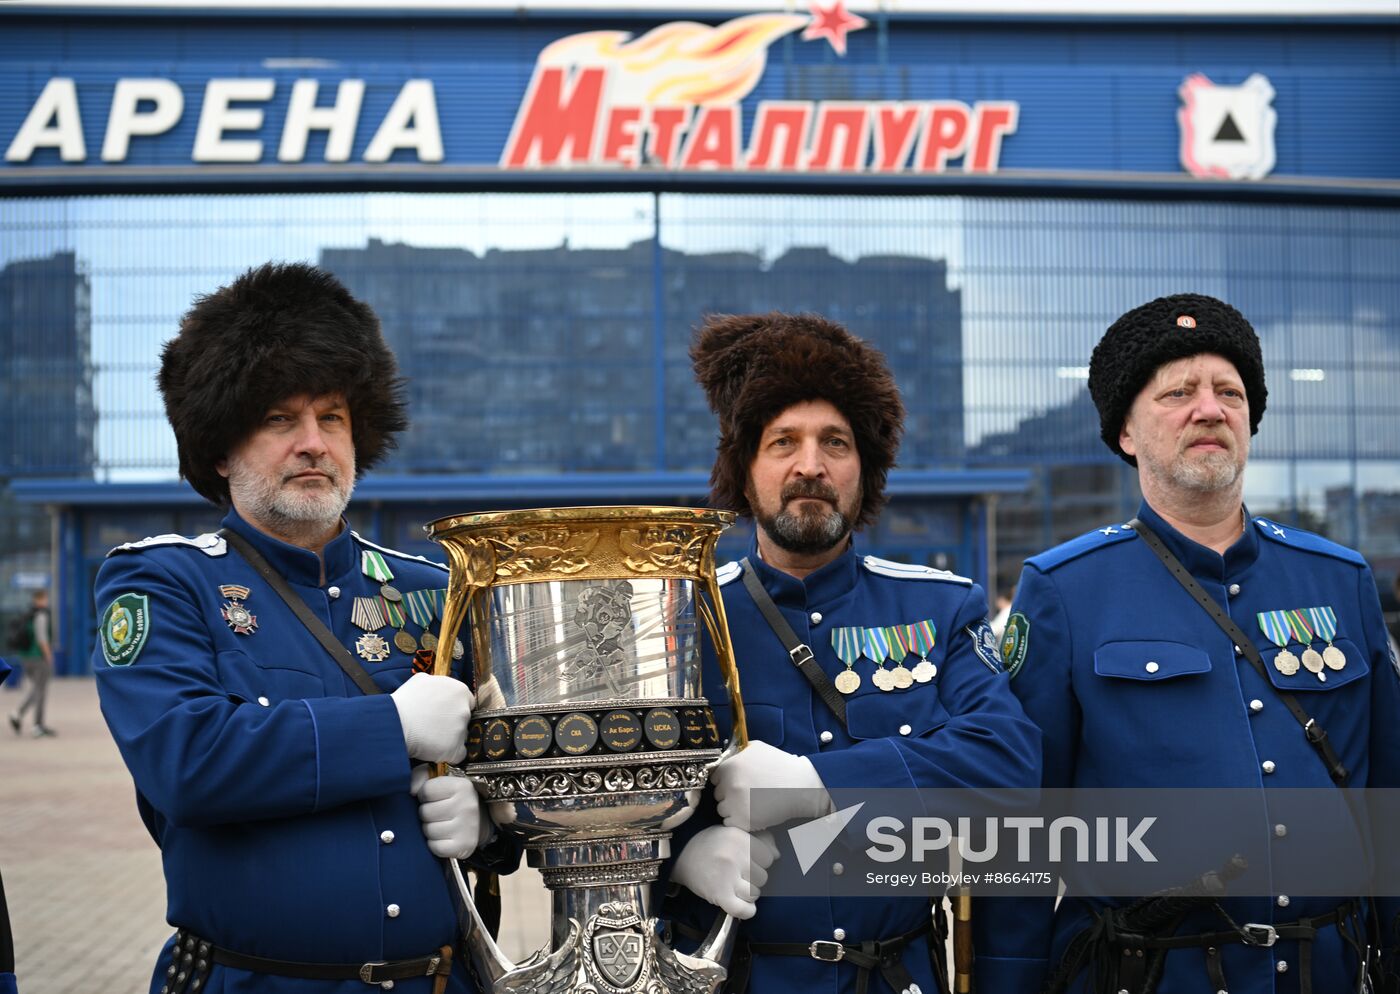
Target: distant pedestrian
{"points": [[36, 656], [7, 942]]}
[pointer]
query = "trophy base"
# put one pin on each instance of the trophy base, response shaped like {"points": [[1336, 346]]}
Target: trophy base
{"points": [[618, 951]]}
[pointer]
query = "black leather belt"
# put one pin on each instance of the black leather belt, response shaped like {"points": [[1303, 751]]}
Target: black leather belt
{"points": [[882, 955], [193, 956], [1136, 974]]}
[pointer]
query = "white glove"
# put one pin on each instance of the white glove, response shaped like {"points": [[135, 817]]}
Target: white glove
{"points": [[760, 765], [434, 711], [450, 812], [726, 867]]}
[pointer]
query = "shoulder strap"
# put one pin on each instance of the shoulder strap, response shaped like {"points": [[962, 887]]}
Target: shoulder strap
{"points": [[798, 651], [313, 624], [1315, 733]]}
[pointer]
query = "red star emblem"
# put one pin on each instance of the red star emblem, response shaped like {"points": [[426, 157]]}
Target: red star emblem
{"points": [[833, 23]]}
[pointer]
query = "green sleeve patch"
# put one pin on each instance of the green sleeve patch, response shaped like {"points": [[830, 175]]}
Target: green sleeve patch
{"points": [[1014, 642], [125, 626]]}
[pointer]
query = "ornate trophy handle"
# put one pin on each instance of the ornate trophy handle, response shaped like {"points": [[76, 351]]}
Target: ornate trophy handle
{"points": [[473, 564], [711, 608]]}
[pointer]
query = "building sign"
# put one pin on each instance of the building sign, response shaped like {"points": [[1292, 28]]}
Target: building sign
{"points": [[817, 90], [672, 99], [1227, 132], [230, 133]]}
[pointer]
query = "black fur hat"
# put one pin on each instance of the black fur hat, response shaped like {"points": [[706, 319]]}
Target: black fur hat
{"points": [[1162, 331], [753, 367], [279, 330]]}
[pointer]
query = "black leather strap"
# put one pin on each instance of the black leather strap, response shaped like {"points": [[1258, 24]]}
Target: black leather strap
{"points": [[1314, 732], [1302, 930], [313, 624], [1215, 968], [439, 964], [798, 651], [884, 956]]}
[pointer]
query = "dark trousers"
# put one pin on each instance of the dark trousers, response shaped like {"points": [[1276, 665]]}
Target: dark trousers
{"points": [[37, 671]]}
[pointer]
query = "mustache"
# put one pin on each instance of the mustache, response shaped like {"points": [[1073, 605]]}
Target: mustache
{"points": [[319, 465], [809, 488], [1222, 438]]}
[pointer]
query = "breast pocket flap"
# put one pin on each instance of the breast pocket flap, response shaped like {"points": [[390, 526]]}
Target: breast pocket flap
{"points": [[1149, 661]]}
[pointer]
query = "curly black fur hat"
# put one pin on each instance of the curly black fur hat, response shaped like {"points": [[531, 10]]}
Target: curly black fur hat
{"points": [[1166, 329], [277, 331], [753, 367]]}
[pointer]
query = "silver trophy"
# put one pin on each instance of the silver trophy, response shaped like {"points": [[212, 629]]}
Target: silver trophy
{"points": [[591, 738]]}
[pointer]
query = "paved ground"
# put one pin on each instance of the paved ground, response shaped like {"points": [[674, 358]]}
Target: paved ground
{"points": [[82, 877]]}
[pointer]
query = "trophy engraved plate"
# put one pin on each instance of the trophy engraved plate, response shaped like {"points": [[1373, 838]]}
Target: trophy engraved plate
{"points": [[592, 738]]}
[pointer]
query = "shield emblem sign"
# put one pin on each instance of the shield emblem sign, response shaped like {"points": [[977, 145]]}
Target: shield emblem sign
{"points": [[618, 955]]}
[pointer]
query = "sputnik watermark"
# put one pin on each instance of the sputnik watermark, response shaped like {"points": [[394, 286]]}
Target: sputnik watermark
{"points": [[1112, 840]]}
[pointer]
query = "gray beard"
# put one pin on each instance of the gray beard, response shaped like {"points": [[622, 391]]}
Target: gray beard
{"points": [[1216, 471], [286, 512]]}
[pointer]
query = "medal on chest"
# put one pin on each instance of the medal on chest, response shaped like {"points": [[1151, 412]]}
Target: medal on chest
{"points": [[920, 637], [847, 648], [234, 612], [898, 650], [1324, 622], [1276, 630]]}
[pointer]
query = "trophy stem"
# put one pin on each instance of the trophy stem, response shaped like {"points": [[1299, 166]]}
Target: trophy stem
{"points": [[585, 875]]}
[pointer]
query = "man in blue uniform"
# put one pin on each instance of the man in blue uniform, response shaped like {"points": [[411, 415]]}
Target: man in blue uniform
{"points": [[1137, 681], [301, 845], [898, 684]]}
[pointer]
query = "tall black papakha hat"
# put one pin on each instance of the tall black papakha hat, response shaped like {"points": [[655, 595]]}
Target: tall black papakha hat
{"points": [[278, 331], [753, 367], [1166, 329]]}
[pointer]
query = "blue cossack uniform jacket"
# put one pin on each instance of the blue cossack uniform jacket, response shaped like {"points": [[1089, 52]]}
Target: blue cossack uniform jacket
{"points": [[1134, 685], [962, 728], [277, 791]]}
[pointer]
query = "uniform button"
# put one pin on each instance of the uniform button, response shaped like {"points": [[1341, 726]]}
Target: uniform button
{"points": [[839, 935], [1267, 766], [333, 591], [905, 729], [392, 911], [1234, 589], [1239, 651], [837, 869], [386, 836], [1281, 966], [387, 985], [1153, 667], [816, 617], [826, 738], [1283, 900], [1256, 705], [264, 702], [1280, 830]]}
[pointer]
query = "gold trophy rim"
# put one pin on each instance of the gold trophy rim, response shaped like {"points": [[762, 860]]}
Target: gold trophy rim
{"points": [[601, 513]]}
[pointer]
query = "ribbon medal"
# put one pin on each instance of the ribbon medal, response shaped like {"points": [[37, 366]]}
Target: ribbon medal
{"points": [[847, 647], [920, 638], [1277, 631], [1302, 631], [903, 679], [1324, 622], [373, 613], [876, 648], [234, 612]]}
